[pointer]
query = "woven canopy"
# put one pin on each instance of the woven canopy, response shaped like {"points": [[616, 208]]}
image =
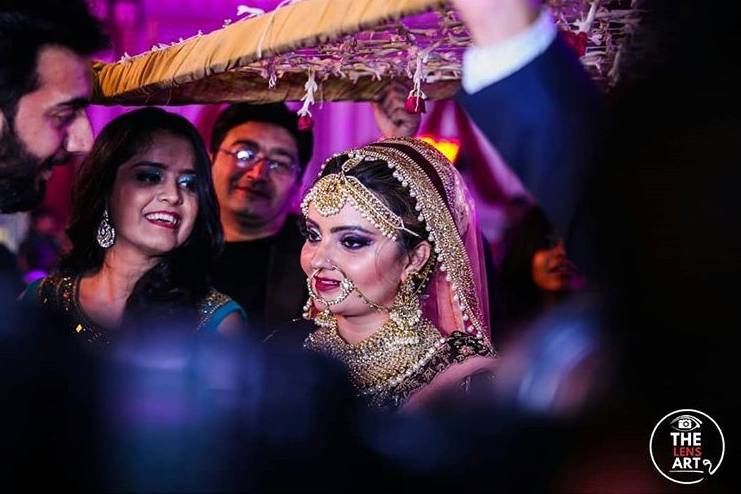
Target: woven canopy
{"points": [[332, 49]]}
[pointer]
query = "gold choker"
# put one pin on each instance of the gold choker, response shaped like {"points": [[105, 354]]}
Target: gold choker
{"points": [[383, 360]]}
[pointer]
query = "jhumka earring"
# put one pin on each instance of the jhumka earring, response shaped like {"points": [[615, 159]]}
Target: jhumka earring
{"points": [[106, 236], [322, 318], [406, 311]]}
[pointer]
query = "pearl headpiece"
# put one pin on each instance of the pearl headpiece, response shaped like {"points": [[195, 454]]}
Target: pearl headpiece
{"points": [[333, 191]]}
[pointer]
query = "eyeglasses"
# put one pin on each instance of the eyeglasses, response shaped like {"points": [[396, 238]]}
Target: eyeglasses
{"points": [[246, 158]]}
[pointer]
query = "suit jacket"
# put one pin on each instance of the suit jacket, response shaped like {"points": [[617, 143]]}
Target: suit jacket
{"points": [[546, 121]]}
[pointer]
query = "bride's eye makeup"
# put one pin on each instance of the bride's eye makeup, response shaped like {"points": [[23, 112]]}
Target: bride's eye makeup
{"points": [[349, 237], [355, 242], [312, 235], [309, 232]]}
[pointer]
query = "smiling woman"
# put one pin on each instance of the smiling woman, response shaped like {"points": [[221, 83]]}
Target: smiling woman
{"points": [[144, 226]]}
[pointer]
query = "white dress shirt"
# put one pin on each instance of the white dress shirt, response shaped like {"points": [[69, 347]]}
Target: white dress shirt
{"points": [[485, 65]]}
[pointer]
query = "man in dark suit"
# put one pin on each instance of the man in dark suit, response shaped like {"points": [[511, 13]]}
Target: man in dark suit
{"points": [[527, 91], [661, 190]]}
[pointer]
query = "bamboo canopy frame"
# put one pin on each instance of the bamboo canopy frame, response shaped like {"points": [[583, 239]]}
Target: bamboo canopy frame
{"points": [[336, 50]]}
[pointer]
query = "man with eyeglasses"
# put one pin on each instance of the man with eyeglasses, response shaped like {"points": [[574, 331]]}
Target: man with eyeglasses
{"points": [[258, 155]]}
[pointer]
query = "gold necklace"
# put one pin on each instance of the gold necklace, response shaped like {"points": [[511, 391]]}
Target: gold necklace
{"points": [[385, 359]]}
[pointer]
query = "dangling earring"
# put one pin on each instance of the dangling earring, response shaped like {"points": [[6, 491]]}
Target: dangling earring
{"points": [[106, 233], [308, 312], [323, 318], [406, 311]]}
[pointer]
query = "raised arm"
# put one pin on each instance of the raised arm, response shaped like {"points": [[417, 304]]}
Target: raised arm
{"points": [[529, 94]]}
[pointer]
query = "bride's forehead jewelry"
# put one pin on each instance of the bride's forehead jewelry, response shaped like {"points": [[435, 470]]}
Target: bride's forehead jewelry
{"points": [[332, 191]]}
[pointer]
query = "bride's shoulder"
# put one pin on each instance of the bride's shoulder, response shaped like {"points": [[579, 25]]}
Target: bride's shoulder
{"points": [[470, 362]]}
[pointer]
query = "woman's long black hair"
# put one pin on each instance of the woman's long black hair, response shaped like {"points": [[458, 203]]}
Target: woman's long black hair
{"points": [[180, 280]]}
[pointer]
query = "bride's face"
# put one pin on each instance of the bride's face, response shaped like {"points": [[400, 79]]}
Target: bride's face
{"points": [[348, 243]]}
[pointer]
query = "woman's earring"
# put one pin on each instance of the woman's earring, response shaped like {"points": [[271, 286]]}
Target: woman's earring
{"points": [[106, 233], [406, 311], [323, 318]]}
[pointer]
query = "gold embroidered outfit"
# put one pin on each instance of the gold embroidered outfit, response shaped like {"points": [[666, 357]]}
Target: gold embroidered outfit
{"points": [[399, 359], [59, 294], [392, 364]]}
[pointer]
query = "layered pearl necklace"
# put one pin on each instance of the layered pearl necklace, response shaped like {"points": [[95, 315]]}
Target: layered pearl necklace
{"points": [[385, 359]]}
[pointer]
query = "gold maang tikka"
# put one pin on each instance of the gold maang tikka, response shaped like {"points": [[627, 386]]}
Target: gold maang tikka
{"points": [[330, 193]]}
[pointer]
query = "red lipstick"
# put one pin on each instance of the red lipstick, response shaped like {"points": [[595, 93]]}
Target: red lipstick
{"points": [[325, 284]]}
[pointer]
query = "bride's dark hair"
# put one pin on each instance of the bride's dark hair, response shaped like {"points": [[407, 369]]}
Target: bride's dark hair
{"points": [[172, 288]]}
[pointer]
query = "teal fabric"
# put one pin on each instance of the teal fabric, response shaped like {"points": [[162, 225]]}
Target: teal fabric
{"points": [[212, 324], [30, 294]]}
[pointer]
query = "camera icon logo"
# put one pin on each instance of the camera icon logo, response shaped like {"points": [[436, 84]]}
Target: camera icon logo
{"points": [[686, 423]]}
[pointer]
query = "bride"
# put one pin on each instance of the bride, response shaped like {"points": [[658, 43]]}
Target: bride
{"points": [[395, 274]]}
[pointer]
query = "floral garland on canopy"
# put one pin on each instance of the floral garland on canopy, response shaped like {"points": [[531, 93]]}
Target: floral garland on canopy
{"points": [[426, 50]]}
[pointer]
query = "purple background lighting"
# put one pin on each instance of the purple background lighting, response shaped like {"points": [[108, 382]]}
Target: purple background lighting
{"points": [[137, 25]]}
